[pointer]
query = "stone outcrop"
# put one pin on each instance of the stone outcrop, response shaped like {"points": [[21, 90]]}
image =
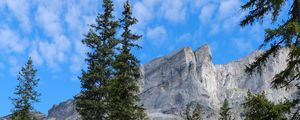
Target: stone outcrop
{"points": [[63, 111], [188, 77]]}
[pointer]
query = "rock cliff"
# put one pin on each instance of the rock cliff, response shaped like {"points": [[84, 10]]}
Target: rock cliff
{"points": [[188, 77]]}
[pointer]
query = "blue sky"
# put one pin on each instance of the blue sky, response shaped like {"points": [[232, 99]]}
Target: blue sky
{"points": [[51, 32]]}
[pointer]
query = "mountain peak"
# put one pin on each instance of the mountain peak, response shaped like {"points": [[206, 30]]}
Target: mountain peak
{"points": [[171, 82], [203, 54]]}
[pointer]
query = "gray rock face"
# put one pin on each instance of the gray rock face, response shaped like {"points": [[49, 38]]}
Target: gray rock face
{"points": [[188, 77], [64, 111]]}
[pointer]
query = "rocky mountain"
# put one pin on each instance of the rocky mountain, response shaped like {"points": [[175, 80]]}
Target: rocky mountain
{"points": [[185, 77]]}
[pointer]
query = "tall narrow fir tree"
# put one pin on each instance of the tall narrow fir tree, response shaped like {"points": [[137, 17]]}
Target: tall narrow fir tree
{"points": [[225, 113], [25, 93], [92, 102], [124, 88], [196, 113]]}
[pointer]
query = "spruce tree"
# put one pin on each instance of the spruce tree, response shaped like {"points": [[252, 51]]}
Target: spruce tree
{"points": [[25, 93], [92, 102], [285, 35], [124, 88], [258, 107], [225, 113], [195, 115]]}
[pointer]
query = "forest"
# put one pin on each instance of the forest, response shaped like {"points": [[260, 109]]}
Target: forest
{"points": [[110, 82]]}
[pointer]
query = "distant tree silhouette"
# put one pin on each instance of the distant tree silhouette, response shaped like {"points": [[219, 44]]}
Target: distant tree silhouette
{"points": [[196, 114], [258, 107], [225, 113], [25, 93]]}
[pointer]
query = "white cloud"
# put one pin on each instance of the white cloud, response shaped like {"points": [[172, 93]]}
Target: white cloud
{"points": [[47, 51], [157, 35], [49, 20], [143, 13], [2, 4], [77, 60], [221, 16], [184, 37], [214, 46], [198, 3], [207, 13], [60, 28], [65, 23], [201, 3], [174, 10], [20, 8], [10, 41], [56, 51], [170, 10], [76, 64], [36, 57], [243, 45], [80, 16], [228, 8], [231, 22], [215, 28], [72, 17], [15, 66]]}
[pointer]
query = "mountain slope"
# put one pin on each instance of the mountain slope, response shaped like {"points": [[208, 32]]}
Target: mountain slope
{"points": [[188, 77]]}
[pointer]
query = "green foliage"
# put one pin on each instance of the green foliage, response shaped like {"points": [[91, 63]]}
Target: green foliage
{"points": [[92, 103], [285, 35], [195, 115], [22, 116], [110, 83], [225, 113], [124, 87], [258, 107], [25, 93], [259, 8]]}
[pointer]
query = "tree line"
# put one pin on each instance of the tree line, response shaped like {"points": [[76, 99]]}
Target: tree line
{"points": [[255, 107], [109, 85]]}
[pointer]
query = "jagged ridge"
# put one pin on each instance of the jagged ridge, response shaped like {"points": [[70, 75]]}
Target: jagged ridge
{"points": [[187, 77]]}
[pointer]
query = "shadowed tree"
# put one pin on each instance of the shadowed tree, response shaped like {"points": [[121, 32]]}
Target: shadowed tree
{"points": [[225, 113], [92, 102], [25, 93], [195, 115], [124, 87], [258, 107], [285, 35]]}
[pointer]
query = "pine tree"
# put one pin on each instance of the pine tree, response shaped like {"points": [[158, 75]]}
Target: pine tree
{"points": [[25, 93], [225, 113], [285, 35], [92, 103], [258, 107], [124, 88], [195, 115], [188, 112]]}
